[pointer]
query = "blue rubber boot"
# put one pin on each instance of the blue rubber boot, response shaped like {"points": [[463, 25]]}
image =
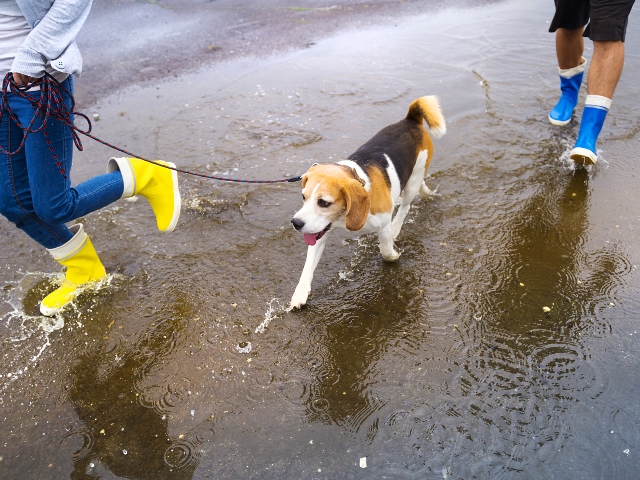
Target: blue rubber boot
{"points": [[595, 111], [570, 81]]}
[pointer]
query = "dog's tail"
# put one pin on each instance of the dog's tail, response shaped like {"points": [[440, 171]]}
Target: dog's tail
{"points": [[428, 108]]}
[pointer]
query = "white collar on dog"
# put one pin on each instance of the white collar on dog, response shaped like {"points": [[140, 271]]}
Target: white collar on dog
{"points": [[358, 172]]}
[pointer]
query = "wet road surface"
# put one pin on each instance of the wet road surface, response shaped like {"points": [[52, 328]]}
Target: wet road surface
{"points": [[131, 42], [185, 364]]}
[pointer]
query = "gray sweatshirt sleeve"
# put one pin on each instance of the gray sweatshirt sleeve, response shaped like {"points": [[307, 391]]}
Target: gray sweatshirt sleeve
{"points": [[53, 40]]}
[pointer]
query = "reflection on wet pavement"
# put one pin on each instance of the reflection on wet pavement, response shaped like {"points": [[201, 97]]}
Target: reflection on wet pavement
{"points": [[503, 344]]}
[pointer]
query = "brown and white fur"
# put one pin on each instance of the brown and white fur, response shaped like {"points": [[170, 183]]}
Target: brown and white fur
{"points": [[360, 193]]}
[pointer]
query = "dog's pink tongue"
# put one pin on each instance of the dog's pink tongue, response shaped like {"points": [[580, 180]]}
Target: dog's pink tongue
{"points": [[310, 239]]}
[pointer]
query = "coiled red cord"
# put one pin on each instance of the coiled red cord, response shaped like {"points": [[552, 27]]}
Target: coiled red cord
{"points": [[50, 104]]}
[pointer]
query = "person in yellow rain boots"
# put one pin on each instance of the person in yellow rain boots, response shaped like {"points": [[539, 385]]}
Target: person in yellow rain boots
{"points": [[83, 267], [41, 212], [137, 177], [159, 185], [37, 37]]}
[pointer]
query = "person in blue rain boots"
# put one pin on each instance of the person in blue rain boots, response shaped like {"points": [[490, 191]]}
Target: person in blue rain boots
{"points": [[607, 25], [595, 111], [570, 82]]}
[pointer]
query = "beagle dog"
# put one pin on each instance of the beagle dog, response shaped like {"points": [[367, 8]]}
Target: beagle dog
{"points": [[360, 193]]}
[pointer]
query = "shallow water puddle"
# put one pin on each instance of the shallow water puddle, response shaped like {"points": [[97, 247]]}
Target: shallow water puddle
{"points": [[503, 343]]}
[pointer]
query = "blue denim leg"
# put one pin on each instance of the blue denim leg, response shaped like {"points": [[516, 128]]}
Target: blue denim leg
{"points": [[16, 203], [51, 197]]}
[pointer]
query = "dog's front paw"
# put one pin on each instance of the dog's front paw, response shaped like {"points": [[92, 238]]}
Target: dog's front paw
{"points": [[299, 298], [392, 256]]}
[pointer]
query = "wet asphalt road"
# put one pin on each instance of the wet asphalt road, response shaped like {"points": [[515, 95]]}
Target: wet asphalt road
{"points": [[445, 364], [126, 42]]}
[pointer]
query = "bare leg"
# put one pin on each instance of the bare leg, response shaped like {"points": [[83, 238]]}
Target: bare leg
{"points": [[606, 68], [605, 71], [569, 47]]}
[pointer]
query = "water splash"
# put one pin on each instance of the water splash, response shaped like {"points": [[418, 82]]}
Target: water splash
{"points": [[570, 165], [275, 308], [25, 325]]}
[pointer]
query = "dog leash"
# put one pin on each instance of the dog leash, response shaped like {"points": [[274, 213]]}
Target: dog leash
{"points": [[50, 103]]}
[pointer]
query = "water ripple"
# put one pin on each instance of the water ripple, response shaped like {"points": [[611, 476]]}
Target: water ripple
{"points": [[82, 437], [183, 454], [608, 272], [566, 368]]}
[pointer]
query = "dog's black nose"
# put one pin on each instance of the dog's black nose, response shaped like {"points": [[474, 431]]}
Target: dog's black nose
{"points": [[297, 223]]}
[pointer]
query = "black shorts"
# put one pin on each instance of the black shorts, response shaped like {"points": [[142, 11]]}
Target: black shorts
{"points": [[607, 19]]}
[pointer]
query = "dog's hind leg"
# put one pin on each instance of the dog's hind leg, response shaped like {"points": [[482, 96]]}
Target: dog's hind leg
{"points": [[426, 192], [401, 214], [409, 193], [411, 189], [302, 291]]}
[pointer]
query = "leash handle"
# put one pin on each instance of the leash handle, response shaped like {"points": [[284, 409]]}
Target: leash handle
{"points": [[50, 103]]}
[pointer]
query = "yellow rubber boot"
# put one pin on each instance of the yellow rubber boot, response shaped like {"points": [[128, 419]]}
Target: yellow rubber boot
{"points": [[157, 184], [83, 266]]}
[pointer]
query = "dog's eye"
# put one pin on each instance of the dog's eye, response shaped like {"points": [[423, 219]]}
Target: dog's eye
{"points": [[304, 198], [323, 203]]}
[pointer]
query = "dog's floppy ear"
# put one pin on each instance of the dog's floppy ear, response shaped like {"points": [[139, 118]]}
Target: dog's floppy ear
{"points": [[358, 204], [304, 177]]}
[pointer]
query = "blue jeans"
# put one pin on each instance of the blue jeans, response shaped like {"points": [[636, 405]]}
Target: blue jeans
{"points": [[33, 193]]}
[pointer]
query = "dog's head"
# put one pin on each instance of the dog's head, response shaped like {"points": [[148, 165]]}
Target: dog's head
{"points": [[330, 192]]}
